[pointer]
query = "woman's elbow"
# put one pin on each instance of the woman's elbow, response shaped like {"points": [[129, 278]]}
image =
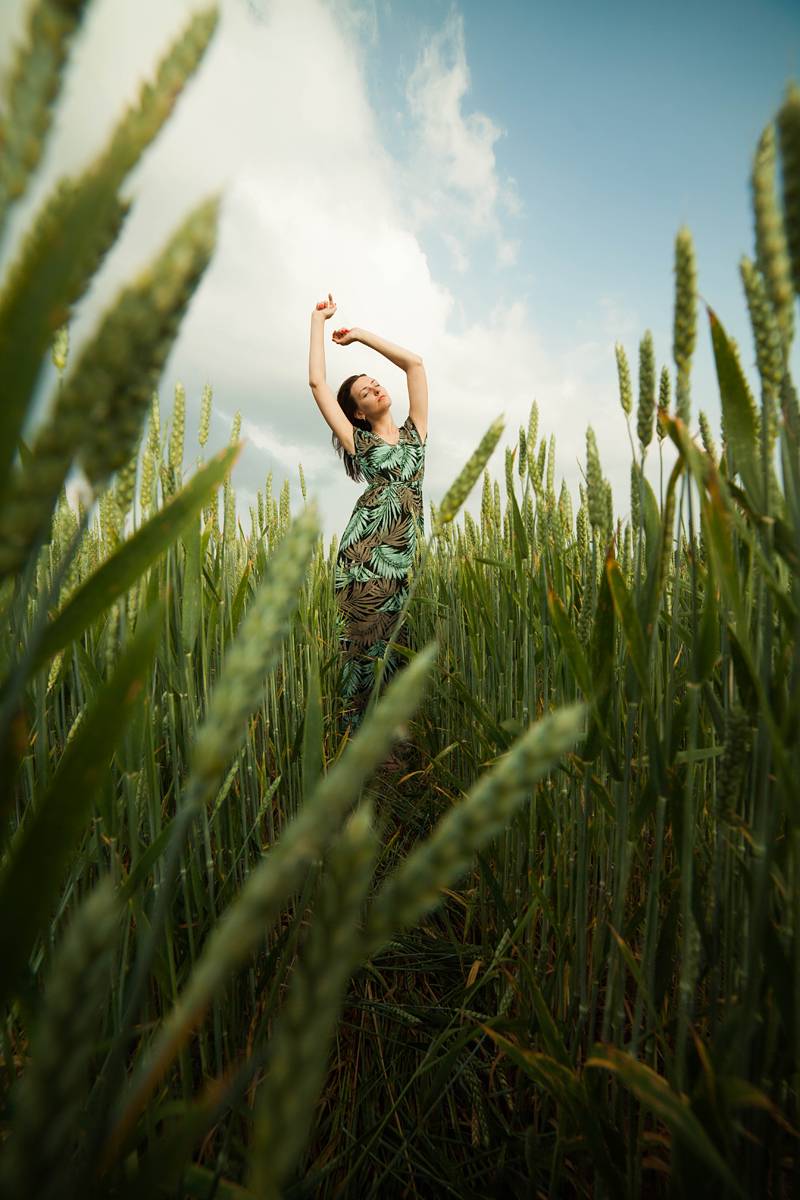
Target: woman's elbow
{"points": [[416, 361]]}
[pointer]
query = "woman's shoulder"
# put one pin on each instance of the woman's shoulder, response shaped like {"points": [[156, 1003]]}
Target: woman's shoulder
{"points": [[410, 426], [362, 438]]}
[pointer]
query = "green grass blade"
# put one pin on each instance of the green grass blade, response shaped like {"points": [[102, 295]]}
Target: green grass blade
{"points": [[242, 925], [313, 727], [50, 1098], [100, 407], [569, 642], [521, 552], [738, 411], [415, 887], [76, 227], [37, 857], [191, 597], [671, 1107], [468, 476], [34, 82], [631, 628], [133, 558], [304, 1030]]}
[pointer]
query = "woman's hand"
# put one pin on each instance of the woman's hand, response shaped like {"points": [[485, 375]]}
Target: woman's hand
{"points": [[325, 308], [343, 337]]}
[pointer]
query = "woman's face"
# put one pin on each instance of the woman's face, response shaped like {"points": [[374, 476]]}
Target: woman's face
{"points": [[371, 398]]}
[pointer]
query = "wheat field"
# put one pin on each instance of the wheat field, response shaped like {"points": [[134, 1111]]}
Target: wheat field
{"points": [[557, 952]]}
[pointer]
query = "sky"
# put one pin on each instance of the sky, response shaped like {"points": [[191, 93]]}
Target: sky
{"points": [[495, 187]]}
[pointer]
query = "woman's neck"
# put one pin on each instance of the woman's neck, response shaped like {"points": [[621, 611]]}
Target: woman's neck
{"points": [[386, 429]]}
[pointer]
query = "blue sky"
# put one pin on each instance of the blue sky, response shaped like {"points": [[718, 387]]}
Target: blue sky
{"points": [[620, 122], [497, 187]]}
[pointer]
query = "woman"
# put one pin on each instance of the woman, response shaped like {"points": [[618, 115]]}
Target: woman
{"points": [[377, 548]]}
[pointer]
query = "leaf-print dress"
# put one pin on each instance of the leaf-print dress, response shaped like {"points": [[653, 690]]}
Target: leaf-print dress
{"points": [[375, 555]]}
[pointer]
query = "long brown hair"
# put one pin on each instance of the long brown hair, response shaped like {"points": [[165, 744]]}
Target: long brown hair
{"points": [[348, 407]]}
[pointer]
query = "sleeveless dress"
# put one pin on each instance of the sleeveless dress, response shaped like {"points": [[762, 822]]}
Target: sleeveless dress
{"points": [[374, 559]]}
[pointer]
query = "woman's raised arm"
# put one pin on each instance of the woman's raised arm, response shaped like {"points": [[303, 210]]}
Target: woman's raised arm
{"points": [[326, 401], [410, 362], [396, 354], [316, 349]]}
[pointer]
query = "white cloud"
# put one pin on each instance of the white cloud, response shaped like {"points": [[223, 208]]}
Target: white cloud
{"points": [[507, 254], [510, 197], [288, 454], [357, 18], [455, 150], [616, 319], [458, 255]]}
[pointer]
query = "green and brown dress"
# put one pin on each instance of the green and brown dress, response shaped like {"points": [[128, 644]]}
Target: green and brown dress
{"points": [[375, 556]]}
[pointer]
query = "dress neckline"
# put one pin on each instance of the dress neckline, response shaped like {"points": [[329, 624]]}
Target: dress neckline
{"points": [[380, 439]]}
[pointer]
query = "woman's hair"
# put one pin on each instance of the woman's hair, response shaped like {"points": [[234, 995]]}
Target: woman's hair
{"points": [[348, 407]]}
